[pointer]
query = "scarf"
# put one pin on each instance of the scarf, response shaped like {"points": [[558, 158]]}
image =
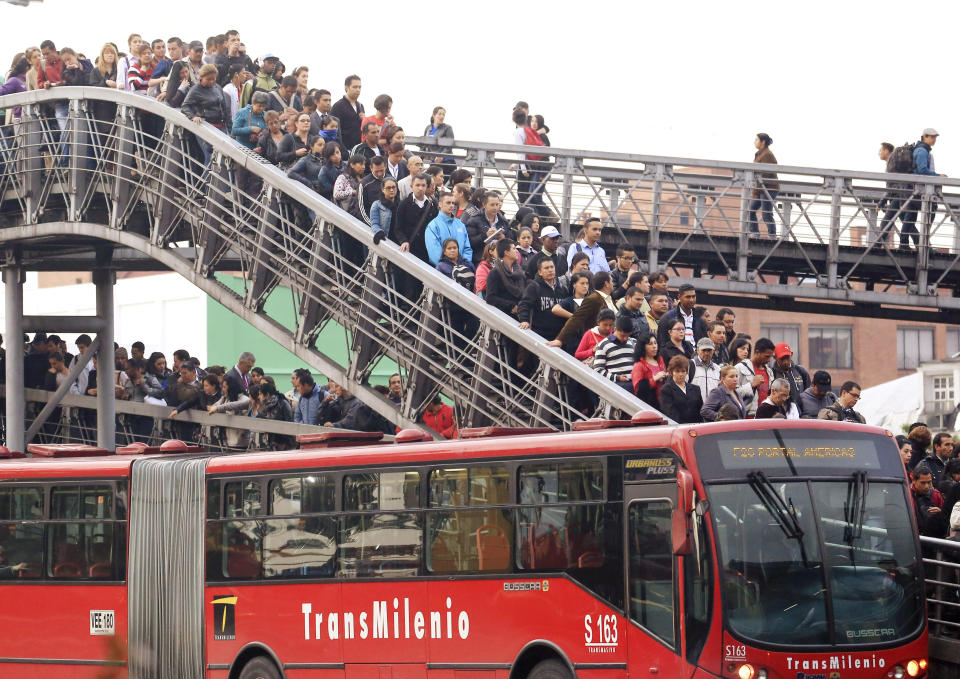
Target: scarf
{"points": [[391, 205], [513, 279], [329, 135]]}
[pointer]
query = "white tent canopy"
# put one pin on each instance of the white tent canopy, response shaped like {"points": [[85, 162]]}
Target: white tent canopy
{"points": [[892, 404]]}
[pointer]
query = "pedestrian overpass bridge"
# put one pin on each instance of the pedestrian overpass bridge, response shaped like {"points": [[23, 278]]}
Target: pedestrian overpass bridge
{"points": [[123, 187]]}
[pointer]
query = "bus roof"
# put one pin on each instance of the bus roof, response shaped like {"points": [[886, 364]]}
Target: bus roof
{"points": [[71, 467], [530, 445]]}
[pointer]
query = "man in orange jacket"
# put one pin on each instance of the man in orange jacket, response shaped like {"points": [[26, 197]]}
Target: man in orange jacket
{"points": [[439, 417]]}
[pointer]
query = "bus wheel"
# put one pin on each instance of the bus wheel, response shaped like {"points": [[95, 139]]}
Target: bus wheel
{"points": [[260, 668], [549, 669]]}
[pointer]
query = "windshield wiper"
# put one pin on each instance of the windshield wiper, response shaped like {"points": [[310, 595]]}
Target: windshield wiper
{"points": [[855, 508], [785, 513]]}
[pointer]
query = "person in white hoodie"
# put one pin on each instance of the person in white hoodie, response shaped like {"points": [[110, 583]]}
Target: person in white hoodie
{"points": [[755, 376]]}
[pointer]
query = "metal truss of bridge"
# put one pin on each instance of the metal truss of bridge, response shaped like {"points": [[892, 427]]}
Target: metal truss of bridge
{"points": [[691, 217], [123, 185]]}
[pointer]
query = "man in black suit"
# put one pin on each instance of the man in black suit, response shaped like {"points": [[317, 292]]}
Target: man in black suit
{"points": [[237, 379]]}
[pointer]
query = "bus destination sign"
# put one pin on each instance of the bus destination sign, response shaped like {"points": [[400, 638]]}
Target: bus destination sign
{"points": [[789, 453]]}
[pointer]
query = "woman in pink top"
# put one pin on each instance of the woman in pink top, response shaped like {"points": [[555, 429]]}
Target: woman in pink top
{"points": [[649, 372]]}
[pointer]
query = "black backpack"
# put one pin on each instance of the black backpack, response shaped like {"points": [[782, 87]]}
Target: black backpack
{"points": [[464, 275], [901, 161]]}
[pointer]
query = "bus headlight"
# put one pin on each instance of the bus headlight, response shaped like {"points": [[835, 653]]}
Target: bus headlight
{"points": [[746, 671], [898, 672], [762, 673], [913, 668]]}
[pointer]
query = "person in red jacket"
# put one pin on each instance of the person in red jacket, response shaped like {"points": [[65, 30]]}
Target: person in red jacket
{"points": [[439, 417]]}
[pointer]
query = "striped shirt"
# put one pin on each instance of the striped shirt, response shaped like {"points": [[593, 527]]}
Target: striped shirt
{"points": [[138, 78], [614, 358]]}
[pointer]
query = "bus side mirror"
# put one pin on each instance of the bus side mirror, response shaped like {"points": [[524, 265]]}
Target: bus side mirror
{"points": [[682, 527]]}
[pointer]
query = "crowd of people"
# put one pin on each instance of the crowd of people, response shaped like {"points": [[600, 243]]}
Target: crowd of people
{"points": [[932, 462], [183, 385]]}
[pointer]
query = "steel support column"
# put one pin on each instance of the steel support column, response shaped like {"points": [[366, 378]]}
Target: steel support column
{"points": [[104, 279], [653, 251], [833, 249], [13, 308]]}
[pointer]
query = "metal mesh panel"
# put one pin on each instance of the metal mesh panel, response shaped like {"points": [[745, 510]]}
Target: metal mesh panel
{"points": [[165, 571]]}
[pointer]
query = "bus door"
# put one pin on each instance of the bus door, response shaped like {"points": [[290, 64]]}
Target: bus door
{"points": [[652, 580]]}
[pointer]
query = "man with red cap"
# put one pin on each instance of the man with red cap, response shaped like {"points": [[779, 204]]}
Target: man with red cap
{"points": [[784, 368]]}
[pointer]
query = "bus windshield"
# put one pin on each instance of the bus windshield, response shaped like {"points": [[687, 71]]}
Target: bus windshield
{"points": [[802, 565]]}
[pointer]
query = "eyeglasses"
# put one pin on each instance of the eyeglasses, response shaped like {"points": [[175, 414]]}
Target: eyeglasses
{"points": [[856, 396]]}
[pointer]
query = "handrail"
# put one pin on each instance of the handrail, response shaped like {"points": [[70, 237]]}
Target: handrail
{"points": [[235, 155], [678, 162]]}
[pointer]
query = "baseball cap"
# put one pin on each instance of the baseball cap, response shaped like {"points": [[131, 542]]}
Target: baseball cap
{"points": [[930, 132], [782, 349], [821, 378], [706, 343], [268, 56], [195, 45], [549, 232]]}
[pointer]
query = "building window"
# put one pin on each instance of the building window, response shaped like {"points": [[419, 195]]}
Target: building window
{"points": [[914, 346], [953, 341], [831, 347], [943, 389], [784, 333]]}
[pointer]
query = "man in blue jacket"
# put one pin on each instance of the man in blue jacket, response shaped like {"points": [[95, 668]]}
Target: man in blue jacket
{"points": [[445, 225], [922, 164]]}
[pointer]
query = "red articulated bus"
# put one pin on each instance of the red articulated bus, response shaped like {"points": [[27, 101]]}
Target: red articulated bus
{"points": [[741, 550]]}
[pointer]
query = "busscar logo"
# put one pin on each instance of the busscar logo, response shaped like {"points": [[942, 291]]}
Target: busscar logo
{"points": [[224, 617]]}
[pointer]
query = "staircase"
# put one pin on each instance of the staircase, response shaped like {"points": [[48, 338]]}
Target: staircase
{"points": [[126, 176]]}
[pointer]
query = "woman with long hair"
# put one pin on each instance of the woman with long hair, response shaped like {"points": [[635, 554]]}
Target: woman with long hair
{"points": [[307, 169], [740, 349], [302, 74], [767, 188], [331, 169], [649, 371], [268, 143], [104, 72], [383, 212], [487, 261], [16, 82], [294, 144], [33, 57]]}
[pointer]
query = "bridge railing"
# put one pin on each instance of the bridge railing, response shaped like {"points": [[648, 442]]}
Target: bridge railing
{"points": [[74, 421], [133, 171], [941, 565], [829, 223]]}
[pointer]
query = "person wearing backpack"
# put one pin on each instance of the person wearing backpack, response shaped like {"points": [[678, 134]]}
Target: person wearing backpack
{"points": [[899, 161], [461, 270], [922, 164]]}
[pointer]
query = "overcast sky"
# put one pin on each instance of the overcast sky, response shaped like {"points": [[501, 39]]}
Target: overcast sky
{"points": [[827, 80]]}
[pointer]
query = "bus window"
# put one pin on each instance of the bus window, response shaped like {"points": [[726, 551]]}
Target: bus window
{"points": [[380, 545], [21, 550], [21, 503], [469, 540], [240, 556], [80, 551], [469, 486], [213, 499], [312, 494], [381, 490], [241, 498], [651, 568], [300, 547], [81, 502], [567, 482]]}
